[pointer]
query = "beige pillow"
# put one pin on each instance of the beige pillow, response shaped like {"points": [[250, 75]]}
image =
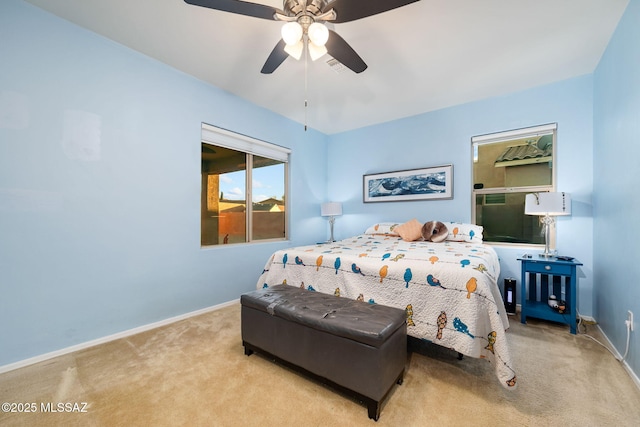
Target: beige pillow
{"points": [[410, 230]]}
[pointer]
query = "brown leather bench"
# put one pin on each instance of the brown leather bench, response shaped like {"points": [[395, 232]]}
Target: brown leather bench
{"points": [[351, 345]]}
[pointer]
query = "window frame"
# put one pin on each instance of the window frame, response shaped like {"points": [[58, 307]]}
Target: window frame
{"points": [[504, 136], [216, 136]]}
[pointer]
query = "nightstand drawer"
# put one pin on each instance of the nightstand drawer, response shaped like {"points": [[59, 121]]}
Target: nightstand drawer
{"points": [[543, 267]]}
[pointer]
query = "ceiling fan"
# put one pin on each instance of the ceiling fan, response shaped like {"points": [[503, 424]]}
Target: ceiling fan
{"points": [[304, 26]]}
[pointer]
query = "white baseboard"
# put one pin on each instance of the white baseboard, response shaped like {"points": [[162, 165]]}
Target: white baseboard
{"points": [[618, 356], [150, 326], [632, 374], [123, 334], [587, 318]]}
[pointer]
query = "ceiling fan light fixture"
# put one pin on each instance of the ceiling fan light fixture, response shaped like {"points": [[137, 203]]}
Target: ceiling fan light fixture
{"points": [[305, 21], [295, 50], [318, 33], [291, 33], [315, 51]]}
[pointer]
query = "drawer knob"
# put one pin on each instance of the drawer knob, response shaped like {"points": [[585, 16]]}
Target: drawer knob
{"points": [[547, 267]]}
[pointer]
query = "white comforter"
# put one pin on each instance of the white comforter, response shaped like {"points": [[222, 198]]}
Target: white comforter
{"points": [[448, 290]]}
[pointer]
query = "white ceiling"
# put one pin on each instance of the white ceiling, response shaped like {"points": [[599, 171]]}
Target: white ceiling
{"points": [[422, 57]]}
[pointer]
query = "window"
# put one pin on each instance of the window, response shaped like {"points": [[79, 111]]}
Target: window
{"points": [[244, 188], [506, 167]]}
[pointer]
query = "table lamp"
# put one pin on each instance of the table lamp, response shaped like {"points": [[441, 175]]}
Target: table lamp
{"points": [[547, 206], [331, 209]]}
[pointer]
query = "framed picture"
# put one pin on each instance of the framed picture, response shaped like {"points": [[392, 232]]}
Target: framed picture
{"points": [[413, 184]]}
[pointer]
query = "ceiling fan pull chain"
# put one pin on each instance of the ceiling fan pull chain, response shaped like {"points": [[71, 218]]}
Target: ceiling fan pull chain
{"points": [[306, 102]]}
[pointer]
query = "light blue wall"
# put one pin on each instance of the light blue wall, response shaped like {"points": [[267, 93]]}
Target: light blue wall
{"points": [[100, 187], [444, 137], [617, 180], [100, 238]]}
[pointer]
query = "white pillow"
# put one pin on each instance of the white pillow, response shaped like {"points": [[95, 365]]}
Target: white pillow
{"points": [[461, 232], [386, 228]]}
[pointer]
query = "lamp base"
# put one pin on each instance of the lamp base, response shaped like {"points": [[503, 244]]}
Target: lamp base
{"points": [[548, 221], [332, 220]]}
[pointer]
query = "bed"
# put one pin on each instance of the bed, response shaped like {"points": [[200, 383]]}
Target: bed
{"points": [[448, 289]]}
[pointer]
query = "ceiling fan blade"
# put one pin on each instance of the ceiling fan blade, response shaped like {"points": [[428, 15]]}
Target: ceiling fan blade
{"points": [[238, 7], [276, 57], [350, 10], [340, 50]]}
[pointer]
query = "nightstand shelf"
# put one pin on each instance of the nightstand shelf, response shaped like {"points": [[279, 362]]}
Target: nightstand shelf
{"points": [[542, 277]]}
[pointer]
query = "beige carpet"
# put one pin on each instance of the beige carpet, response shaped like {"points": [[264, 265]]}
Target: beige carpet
{"points": [[194, 373]]}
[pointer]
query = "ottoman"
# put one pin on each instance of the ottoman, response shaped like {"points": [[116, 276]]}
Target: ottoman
{"points": [[351, 345]]}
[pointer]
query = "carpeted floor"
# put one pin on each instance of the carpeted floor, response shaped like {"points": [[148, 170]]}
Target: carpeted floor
{"points": [[194, 373]]}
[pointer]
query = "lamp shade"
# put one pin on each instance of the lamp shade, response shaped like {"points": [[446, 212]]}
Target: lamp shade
{"points": [[552, 204], [318, 33], [295, 50], [331, 209], [315, 51], [291, 33]]}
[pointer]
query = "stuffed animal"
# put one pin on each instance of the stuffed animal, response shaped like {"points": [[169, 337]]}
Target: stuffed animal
{"points": [[434, 231]]}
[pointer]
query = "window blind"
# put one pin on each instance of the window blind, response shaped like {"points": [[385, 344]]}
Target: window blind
{"points": [[235, 141], [515, 134]]}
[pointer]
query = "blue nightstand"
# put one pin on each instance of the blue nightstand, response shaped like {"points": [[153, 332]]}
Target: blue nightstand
{"points": [[542, 277]]}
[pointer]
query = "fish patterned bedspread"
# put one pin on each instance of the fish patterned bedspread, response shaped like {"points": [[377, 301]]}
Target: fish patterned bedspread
{"points": [[448, 290]]}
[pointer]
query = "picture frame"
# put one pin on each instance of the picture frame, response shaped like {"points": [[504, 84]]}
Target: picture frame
{"points": [[431, 183]]}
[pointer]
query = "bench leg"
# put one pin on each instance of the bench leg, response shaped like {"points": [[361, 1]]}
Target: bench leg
{"points": [[248, 351], [374, 409]]}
